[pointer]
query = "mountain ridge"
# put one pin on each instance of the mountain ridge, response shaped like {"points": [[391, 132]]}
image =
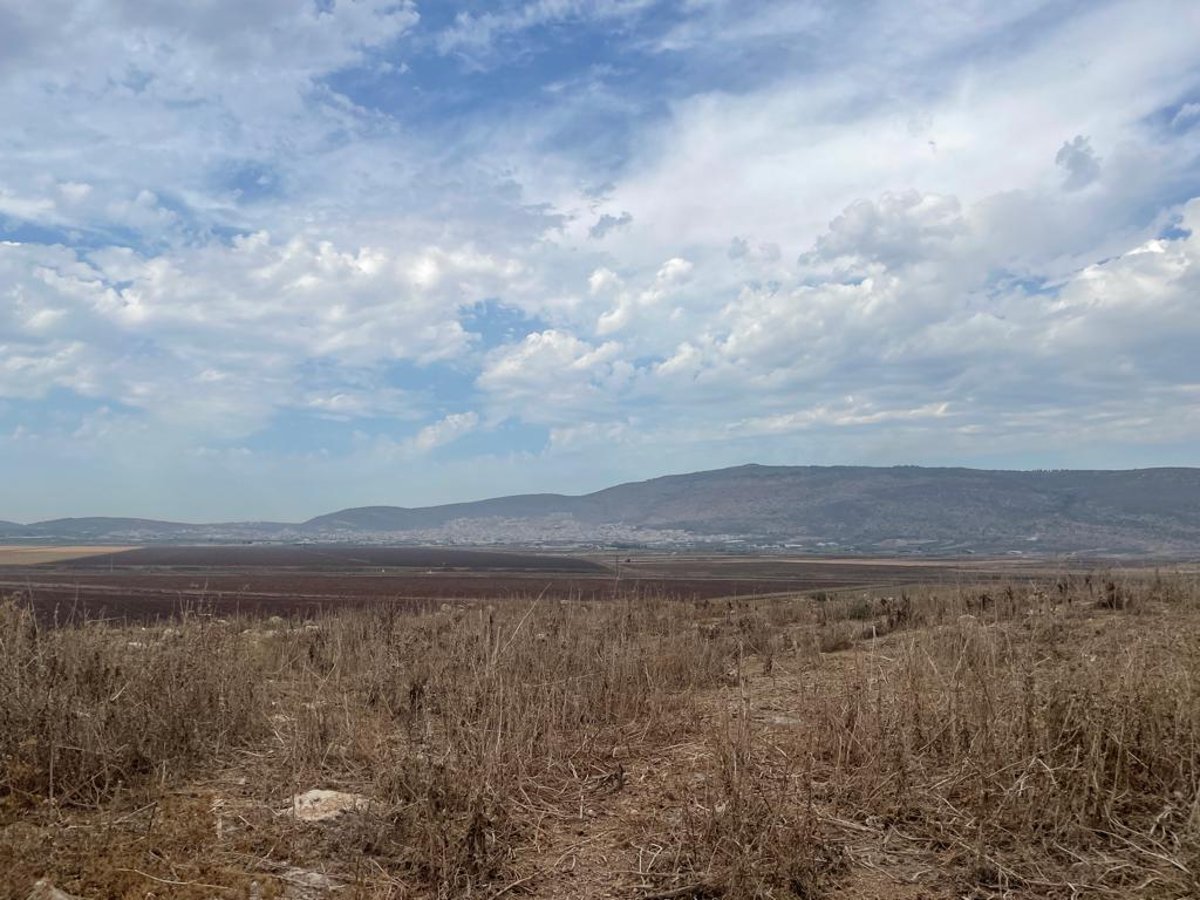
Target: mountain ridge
{"points": [[897, 508]]}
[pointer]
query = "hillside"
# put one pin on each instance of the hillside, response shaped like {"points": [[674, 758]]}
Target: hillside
{"points": [[848, 508], [1149, 510], [395, 518]]}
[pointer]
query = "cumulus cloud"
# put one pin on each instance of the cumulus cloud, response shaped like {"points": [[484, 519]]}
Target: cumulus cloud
{"points": [[670, 277], [551, 376], [266, 230], [921, 339], [228, 328], [893, 231]]}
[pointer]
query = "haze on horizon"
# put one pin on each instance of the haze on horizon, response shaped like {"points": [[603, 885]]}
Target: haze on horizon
{"points": [[272, 258]]}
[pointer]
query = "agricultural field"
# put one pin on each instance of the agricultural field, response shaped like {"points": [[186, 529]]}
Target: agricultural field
{"points": [[1033, 736], [142, 584], [33, 555], [335, 557]]}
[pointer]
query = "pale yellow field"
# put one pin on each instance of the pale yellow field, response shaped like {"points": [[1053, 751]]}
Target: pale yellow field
{"points": [[32, 556]]}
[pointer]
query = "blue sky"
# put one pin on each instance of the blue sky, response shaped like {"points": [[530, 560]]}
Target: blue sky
{"points": [[270, 258]]}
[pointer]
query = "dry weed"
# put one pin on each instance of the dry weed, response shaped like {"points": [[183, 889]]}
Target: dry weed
{"points": [[1028, 739]]}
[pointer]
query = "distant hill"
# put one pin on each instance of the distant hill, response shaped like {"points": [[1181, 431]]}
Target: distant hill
{"points": [[100, 526], [899, 508], [116, 529], [905, 509], [398, 518]]}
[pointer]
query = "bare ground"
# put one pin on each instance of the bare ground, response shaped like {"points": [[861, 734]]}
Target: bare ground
{"points": [[28, 555], [140, 585]]}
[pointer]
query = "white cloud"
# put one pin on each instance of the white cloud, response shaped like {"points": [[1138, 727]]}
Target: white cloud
{"points": [[674, 273], [843, 415], [380, 451], [590, 434], [240, 319], [552, 376], [775, 164], [445, 431], [864, 255], [475, 36], [143, 103], [894, 310], [602, 280]]}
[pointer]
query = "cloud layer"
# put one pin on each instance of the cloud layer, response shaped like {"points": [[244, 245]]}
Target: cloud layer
{"points": [[274, 257]]}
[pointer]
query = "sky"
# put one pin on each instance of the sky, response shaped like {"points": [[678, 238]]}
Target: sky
{"points": [[264, 259]]}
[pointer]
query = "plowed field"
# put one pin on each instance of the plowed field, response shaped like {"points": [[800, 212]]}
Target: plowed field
{"points": [[158, 582]]}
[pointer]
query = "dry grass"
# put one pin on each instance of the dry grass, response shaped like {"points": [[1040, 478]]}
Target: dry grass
{"points": [[1046, 748], [1025, 738], [86, 711], [29, 555], [1029, 739]]}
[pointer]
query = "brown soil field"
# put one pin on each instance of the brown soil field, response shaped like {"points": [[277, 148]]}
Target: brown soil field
{"points": [[149, 583], [334, 556]]}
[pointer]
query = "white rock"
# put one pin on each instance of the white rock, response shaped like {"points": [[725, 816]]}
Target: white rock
{"points": [[305, 878], [319, 805], [44, 890]]}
